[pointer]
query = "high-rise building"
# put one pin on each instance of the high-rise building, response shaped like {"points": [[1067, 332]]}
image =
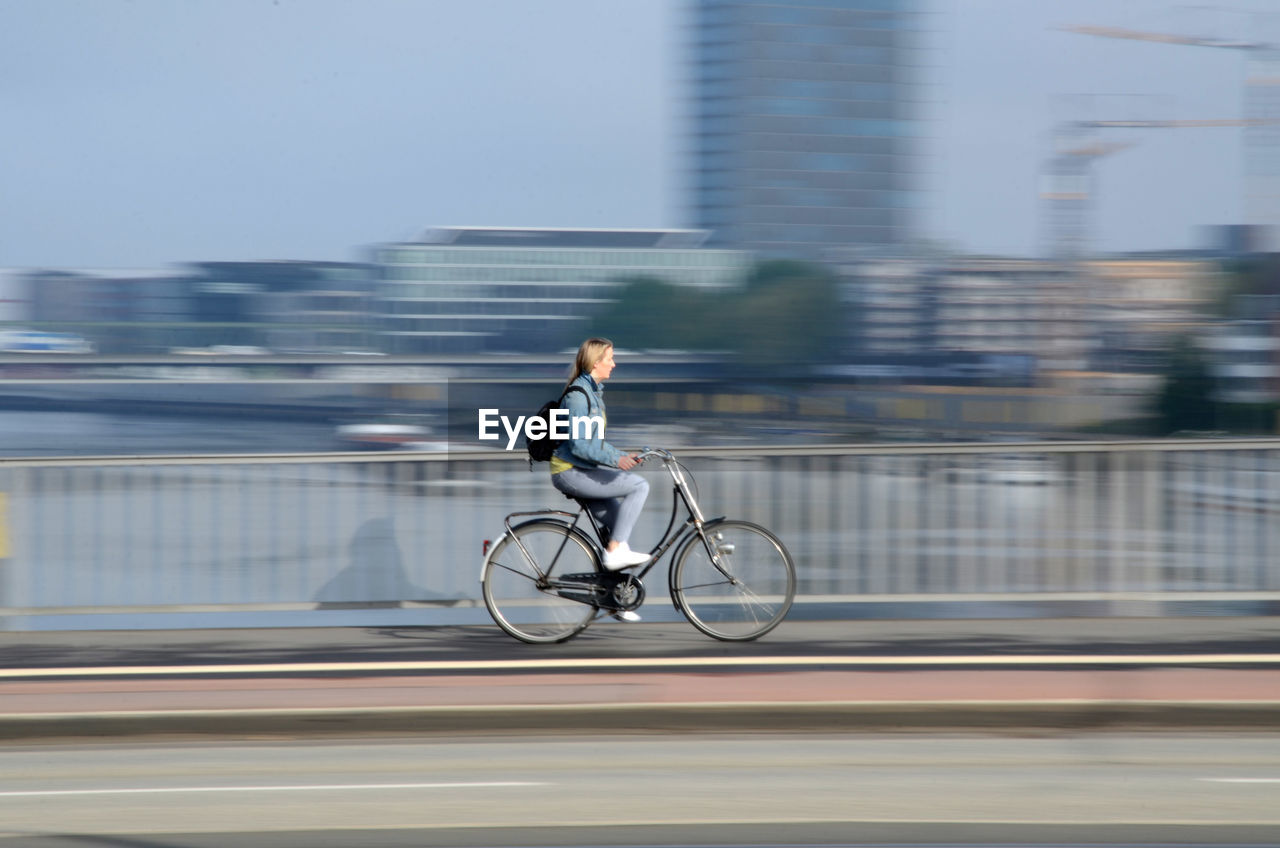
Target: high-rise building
{"points": [[804, 127]]}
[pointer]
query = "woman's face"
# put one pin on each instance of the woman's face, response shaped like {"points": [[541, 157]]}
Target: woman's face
{"points": [[603, 367]]}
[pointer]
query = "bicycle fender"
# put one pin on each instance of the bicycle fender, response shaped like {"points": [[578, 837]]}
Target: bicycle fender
{"points": [[484, 561]]}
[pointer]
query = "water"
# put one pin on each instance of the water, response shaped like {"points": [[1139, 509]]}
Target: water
{"points": [[25, 433]]}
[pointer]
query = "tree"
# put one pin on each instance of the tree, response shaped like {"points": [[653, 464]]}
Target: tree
{"points": [[652, 313], [790, 314], [1185, 400], [784, 313]]}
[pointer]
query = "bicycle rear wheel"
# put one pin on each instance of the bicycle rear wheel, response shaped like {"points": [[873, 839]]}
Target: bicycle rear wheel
{"points": [[518, 593], [744, 591]]}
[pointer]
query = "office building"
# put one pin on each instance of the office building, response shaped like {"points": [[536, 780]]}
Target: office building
{"points": [[1244, 355], [495, 289], [280, 306], [1118, 315], [804, 129], [1142, 305]]}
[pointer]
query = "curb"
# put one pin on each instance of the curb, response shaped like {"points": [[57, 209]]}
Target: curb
{"points": [[856, 716]]}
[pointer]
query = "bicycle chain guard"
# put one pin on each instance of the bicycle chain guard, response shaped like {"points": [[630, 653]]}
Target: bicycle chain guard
{"points": [[611, 591]]}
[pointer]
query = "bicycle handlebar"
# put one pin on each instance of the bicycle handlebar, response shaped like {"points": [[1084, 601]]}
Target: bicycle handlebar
{"points": [[645, 453]]}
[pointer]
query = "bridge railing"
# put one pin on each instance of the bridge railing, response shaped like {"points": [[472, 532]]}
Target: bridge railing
{"points": [[398, 538]]}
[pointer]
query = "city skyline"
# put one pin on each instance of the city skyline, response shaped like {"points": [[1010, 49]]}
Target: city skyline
{"points": [[150, 133]]}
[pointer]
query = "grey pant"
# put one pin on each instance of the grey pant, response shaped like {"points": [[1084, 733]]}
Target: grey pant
{"points": [[615, 497]]}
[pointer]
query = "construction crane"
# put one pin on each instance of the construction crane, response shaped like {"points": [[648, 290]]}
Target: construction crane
{"points": [[1261, 120], [1168, 38], [1068, 189]]}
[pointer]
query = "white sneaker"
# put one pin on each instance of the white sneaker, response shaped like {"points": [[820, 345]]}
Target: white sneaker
{"points": [[623, 557], [627, 615]]}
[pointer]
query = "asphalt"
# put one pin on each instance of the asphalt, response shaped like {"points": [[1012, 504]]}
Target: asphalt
{"points": [[1000, 676]]}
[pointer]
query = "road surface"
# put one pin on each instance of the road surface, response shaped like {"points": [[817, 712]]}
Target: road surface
{"points": [[649, 789]]}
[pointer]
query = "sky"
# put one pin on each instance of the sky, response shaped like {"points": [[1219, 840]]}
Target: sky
{"points": [[142, 133]]}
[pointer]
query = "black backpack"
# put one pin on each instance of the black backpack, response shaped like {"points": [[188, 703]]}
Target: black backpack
{"points": [[540, 449]]}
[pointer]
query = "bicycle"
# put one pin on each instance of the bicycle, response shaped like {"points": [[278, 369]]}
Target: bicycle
{"points": [[544, 581]]}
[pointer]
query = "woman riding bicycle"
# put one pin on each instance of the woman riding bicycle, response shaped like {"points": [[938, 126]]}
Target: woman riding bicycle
{"points": [[546, 580], [593, 471]]}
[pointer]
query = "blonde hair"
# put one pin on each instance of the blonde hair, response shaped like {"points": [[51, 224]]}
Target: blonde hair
{"points": [[591, 352]]}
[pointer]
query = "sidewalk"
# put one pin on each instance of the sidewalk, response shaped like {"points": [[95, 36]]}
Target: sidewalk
{"points": [[870, 676]]}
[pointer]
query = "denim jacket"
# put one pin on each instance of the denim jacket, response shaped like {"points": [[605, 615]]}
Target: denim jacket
{"points": [[593, 451]]}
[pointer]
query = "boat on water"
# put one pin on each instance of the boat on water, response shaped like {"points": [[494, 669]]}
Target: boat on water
{"points": [[392, 432]]}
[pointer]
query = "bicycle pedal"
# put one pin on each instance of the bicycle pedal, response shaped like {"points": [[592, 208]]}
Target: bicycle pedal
{"points": [[605, 589]]}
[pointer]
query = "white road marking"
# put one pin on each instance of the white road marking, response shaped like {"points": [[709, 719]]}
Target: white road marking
{"points": [[35, 793], [658, 663]]}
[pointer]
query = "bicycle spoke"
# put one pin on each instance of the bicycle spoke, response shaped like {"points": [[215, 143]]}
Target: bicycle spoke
{"points": [[691, 588], [519, 572]]}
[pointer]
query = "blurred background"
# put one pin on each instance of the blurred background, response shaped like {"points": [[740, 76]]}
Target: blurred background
{"points": [[273, 228], [799, 222]]}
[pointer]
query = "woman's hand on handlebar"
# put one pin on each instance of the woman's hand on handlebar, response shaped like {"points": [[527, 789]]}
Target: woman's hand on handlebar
{"points": [[629, 461]]}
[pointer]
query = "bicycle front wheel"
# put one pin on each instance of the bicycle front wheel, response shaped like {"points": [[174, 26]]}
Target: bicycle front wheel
{"points": [[522, 596], [736, 584]]}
